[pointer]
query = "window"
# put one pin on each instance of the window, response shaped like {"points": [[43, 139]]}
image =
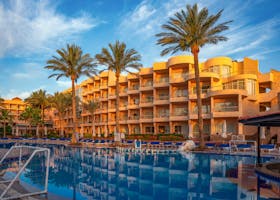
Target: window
{"points": [[225, 71], [178, 129]]}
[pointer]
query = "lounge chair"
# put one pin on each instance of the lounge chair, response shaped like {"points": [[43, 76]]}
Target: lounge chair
{"points": [[210, 145], [268, 148], [224, 147], [245, 147]]}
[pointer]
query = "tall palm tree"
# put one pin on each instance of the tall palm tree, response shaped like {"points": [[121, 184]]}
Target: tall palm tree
{"points": [[61, 102], [71, 63], [1, 101], [119, 59], [5, 117], [191, 29], [91, 107]]}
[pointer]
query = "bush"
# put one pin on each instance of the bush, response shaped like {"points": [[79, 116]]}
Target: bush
{"points": [[53, 135]]}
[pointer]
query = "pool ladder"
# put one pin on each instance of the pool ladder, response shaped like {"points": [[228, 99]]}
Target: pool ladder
{"points": [[9, 189]]}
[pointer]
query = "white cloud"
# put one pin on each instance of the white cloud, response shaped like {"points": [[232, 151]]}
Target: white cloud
{"points": [[17, 93], [34, 27], [246, 35], [136, 20]]}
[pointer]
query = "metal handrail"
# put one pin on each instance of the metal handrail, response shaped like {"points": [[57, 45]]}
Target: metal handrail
{"points": [[37, 150]]}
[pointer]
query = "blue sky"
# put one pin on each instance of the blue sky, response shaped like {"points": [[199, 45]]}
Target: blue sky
{"points": [[32, 30]]}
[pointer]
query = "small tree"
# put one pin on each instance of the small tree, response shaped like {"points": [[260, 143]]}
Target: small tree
{"points": [[61, 102], [5, 117], [91, 107]]}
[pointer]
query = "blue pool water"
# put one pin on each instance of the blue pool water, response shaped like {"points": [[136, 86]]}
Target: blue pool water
{"points": [[105, 174]]}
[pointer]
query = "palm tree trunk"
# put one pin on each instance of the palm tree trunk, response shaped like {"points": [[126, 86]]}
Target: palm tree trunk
{"points": [[92, 125], [195, 51], [74, 111], [4, 128], [117, 102], [60, 125]]}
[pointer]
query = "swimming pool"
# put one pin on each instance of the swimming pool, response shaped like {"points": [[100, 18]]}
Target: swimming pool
{"points": [[106, 174]]}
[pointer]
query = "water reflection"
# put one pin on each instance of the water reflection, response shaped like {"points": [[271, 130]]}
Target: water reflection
{"points": [[106, 174]]}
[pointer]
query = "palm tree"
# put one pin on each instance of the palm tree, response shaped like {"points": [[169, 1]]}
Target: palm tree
{"points": [[119, 59], [1, 101], [5, 117], [31, 116], [91, 107], [39, 99], [71, 63], [191, 30], [61, 102]]}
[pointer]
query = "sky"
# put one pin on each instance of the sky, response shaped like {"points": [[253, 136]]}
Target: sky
{"points": [[32, 30]]}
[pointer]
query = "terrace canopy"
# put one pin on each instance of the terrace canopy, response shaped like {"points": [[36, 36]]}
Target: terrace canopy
{"points": [[270, 120]]}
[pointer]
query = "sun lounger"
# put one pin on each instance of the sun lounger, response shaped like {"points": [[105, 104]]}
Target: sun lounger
{"points": [[268, 148], [245, 147], [210, 145]]}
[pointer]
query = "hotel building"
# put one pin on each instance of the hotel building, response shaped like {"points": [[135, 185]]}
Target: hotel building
{"points": [[162, 99], [16, 106]]}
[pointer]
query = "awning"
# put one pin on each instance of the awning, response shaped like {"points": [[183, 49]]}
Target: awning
{"points": [[272, 119]]}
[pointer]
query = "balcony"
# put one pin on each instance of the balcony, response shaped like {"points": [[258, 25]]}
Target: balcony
{"points": [[193, 115], [179, 78], [104, 86], [146, 118], [112, 96], [111, 122], [147, 86], [161, 99], [133, 89], [123, 119], [104, 110], [179, 98], [162, 82], [96, 88], [161, 117], [146, 102], [104, 98], [133, 106], [226, 111], [123, 107], [112, 109], [133, 120], [123, 92]]}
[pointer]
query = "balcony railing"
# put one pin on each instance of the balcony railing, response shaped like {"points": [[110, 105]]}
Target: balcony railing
{"points": [[133, 118], [147, 84], [226, 109], [147, 100], [162, 97], [162, 115], [180, 113], [162, 80], [147, 116], [134, 87]]}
